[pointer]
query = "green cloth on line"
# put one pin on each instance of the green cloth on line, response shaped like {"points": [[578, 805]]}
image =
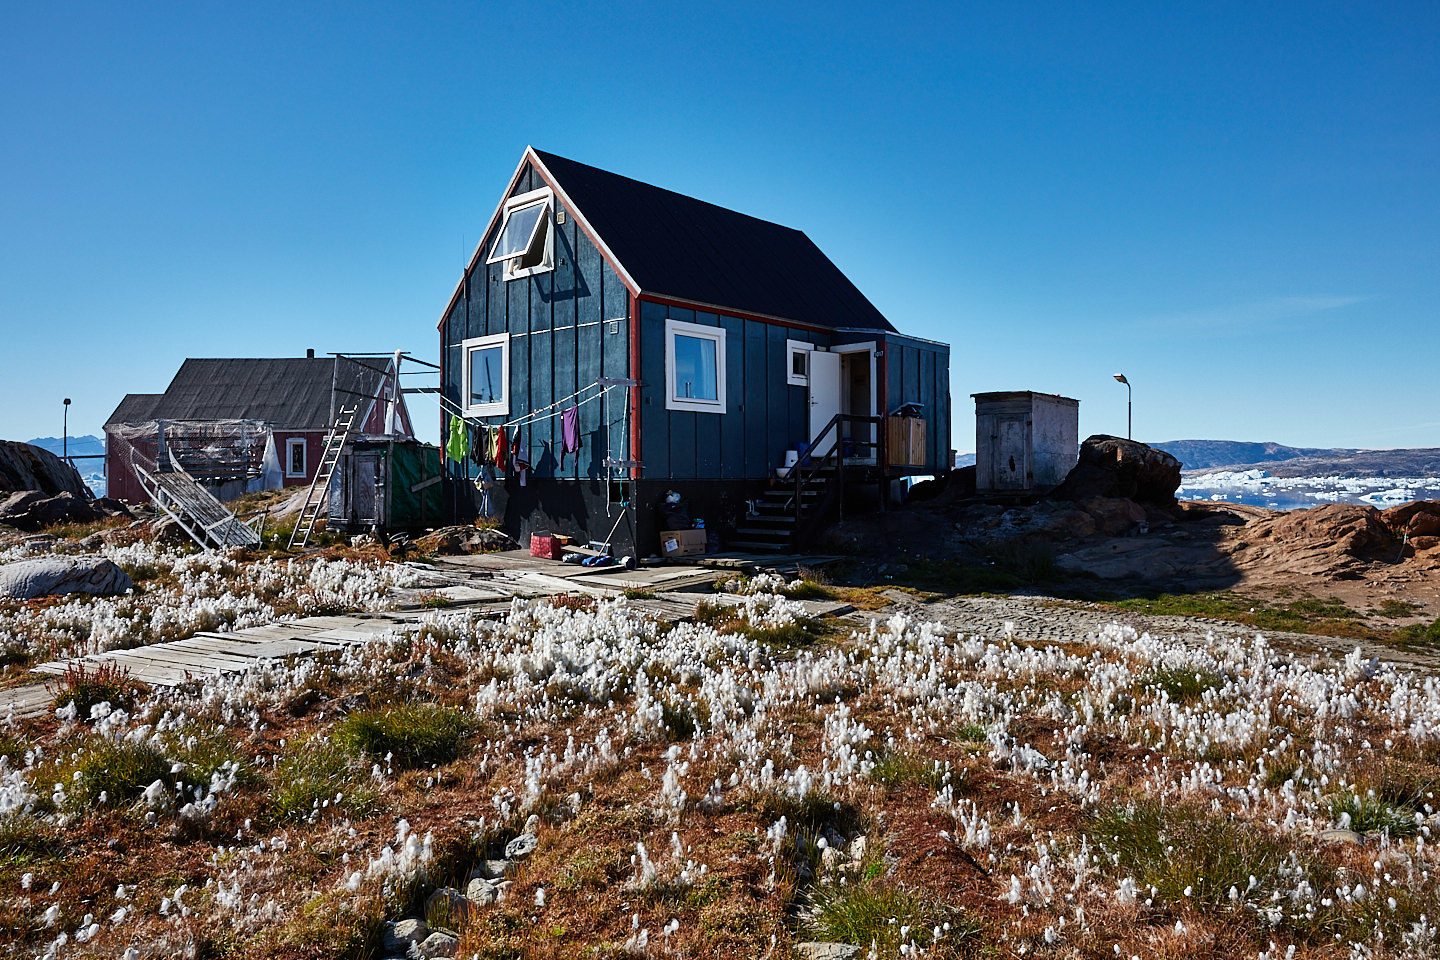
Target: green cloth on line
{"points": [[458, 447]]}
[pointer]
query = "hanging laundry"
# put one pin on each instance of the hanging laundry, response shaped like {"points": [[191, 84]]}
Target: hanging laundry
{"points": [[459, 444], [520, 456], [480, 451], [484, 483], [502, 451], [569, 433]]}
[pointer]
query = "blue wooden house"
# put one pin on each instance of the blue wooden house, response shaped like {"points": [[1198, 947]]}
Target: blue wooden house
{"points": [[699, 350]]}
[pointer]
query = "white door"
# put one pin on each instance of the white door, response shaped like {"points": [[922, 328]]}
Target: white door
{"points": [[824, 396]]}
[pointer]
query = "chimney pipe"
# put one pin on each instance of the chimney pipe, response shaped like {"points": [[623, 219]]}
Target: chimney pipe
{"points": [[310, 354]]}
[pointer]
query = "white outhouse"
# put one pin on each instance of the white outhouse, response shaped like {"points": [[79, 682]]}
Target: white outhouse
{"points": [[1024, 441]]}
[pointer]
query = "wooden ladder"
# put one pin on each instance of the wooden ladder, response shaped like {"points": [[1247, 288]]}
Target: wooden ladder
{"points": [[317, 496]]}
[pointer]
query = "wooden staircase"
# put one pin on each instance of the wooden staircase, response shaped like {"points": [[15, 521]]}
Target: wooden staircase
{"points": [[787, 517]]}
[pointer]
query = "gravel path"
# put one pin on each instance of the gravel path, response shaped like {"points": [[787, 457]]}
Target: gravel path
{"points": [[1047, 620]]}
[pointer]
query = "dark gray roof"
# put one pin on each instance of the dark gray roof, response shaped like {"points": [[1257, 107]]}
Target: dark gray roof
{"points": [[286, 392], [136, 408], [677, 246]]}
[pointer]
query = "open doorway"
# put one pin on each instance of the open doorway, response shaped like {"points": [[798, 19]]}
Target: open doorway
{"points": [[857, 398]]}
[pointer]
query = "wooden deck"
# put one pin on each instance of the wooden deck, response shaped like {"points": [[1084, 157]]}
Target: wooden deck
{"points": [[483, 585]]}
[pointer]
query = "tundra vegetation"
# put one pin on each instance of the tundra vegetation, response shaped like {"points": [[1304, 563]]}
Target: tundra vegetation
{"points": [[727, 787], [723, 788]]}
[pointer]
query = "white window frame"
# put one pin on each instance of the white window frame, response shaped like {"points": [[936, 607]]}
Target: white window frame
{"points": [[793, 347], [545, 226], [674, 328], [290, 445], [467, 347]]}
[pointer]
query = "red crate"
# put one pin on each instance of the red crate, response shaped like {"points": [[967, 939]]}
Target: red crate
{"points": [[547, 547]]}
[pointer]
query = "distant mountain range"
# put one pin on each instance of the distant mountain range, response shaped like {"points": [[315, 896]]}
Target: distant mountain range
{"points": [[78, 447], [1281, 461], [91, 471]]}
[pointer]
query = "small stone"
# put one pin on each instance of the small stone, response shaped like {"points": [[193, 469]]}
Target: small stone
{"points": [[857, 848], [439, 945], [479, 891], [398, 936], [532, 824], [521, 847], [1339, 836], [820, 950], [492, 869], [831, 859]]}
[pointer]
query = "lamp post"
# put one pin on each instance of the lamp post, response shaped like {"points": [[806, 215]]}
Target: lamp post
{"points": [[65, 433], [1129, 408]]}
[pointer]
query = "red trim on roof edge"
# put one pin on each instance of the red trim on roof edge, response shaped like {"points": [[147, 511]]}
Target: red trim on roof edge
{"points": [[635, 390], [731, 312], [530, 157]]}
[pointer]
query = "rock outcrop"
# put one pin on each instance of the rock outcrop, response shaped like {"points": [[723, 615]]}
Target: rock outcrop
{"points": [[1418, 519], [51, 576], [30, 510], [1337, 529], [24, 466], [1110, 467]]}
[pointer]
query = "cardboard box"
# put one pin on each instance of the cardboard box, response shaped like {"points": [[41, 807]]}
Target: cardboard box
{"points": [[682, 543], [546, 547]]}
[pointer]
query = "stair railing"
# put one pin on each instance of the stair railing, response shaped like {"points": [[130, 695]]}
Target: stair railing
{"points": [[809, 472]]}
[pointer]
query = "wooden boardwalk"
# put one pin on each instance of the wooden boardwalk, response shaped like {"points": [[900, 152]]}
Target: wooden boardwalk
{"points": [[485, 588]]}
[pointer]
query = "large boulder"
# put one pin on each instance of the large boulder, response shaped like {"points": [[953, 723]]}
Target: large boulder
{"points": [[1337, 529], [1110, 467], [51, 576], [31, 510], [24, 466], [1418, 519]]}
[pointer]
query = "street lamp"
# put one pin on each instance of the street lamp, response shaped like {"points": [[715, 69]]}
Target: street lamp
{"points": [[65, 432], [1129, 408]]}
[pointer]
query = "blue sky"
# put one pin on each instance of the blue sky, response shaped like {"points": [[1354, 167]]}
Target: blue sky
{"points": [[1236, 204]]}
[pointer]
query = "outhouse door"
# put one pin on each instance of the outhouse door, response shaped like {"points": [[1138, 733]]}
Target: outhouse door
{"points": [[1009, 468], [824, 396]]}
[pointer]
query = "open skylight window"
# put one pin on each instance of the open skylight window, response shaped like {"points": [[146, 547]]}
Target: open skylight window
{"points": [[524, 243]]}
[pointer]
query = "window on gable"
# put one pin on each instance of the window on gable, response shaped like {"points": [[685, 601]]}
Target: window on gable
{"points": [[295, 457], [797, 370], [694, 367], [526, 242]]}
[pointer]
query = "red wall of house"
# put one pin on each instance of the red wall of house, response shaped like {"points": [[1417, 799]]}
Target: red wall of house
{"points": [[314, 447], [120, 480]]}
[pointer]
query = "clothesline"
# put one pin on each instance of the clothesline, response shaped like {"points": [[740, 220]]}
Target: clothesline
{"points": [[534, 416]]}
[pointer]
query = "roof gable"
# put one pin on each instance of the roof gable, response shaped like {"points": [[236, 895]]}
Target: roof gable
{"points": [[667, 244], [677, 246]]}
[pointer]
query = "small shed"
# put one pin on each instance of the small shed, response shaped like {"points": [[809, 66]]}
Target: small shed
{"points": [[1025, 442]]}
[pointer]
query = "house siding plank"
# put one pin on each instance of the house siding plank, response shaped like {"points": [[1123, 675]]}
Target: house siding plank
{"points": [[731, 450], [655, 422]]}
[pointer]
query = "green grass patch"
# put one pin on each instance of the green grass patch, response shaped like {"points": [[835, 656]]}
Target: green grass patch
{"points": [[876, 912], [412, 735], [1371, 813], [1397, 609], [320, 776], [210, 752], [112, 774], [898, 769], [1305, 615], [1418, 635], [1178, 848], [1184, 685]]}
